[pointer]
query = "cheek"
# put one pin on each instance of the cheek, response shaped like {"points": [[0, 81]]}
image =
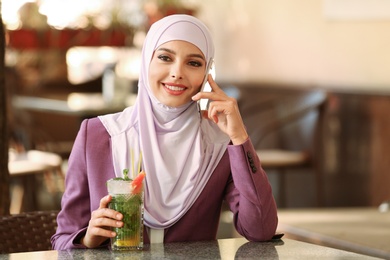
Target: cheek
{"points": [[198, 80], [153, 82], [152, 71], [154, 75], [155, 69]]}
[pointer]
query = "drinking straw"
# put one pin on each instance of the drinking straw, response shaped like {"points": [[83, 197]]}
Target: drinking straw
{"points": [[139, 162], [132, 163]]}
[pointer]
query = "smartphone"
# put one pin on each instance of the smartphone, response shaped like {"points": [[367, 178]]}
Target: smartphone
{"points": [[203, 104]]}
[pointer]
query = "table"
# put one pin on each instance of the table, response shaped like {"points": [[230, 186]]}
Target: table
{"points": [[361, 230], [61, 107], [82, 105], [23, 167], [234, 248]]}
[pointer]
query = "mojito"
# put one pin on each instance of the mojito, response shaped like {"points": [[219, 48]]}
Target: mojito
{"points": [[127, 198]]}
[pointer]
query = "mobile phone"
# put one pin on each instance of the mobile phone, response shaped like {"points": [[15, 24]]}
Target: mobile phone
{"points": [[203, 104]]}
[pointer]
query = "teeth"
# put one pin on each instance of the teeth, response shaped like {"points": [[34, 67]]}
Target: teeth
{"points": [[174, 88]]}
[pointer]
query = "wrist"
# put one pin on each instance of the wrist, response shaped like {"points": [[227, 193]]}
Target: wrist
{"points": [[239, 140]]}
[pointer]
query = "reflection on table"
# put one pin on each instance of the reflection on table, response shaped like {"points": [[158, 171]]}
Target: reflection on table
{"points": [[361, 230], [236, 248]]}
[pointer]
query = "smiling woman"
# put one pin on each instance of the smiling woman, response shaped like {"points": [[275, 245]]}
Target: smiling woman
{"points": [[176, 73], [192, 163]]}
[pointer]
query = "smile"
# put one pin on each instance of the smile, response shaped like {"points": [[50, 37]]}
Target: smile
{"points": [[174, 88]]}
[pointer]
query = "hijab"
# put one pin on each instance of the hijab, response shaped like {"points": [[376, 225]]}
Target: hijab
{"points": [[180, 150]]}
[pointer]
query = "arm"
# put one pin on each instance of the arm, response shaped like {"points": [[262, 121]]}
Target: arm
{"points": [[75, 205], [250, 195], [84, 218]]}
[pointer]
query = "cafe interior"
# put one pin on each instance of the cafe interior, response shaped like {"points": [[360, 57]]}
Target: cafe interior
{"points": [[310, 77]]}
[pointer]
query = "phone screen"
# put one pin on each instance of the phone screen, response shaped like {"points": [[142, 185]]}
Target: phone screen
{"points": [[203, 104]]}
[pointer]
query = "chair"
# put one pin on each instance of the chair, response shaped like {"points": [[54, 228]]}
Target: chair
{"points": [[29, 231], [285, 132]]}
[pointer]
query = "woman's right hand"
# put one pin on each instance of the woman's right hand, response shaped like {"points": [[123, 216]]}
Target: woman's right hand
{"points": [[100, 223]]}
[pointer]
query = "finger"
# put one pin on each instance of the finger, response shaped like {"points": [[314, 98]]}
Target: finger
{"points": [[205, 114], [218, 107], [96, 231], [202, 95], [104, 221], [210, 95], [102, 232], [104, 211], [214, 86], [104, 201], [107, 213], [216, 110]]}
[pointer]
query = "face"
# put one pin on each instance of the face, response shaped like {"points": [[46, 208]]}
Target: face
{"points": [[176, 72]]}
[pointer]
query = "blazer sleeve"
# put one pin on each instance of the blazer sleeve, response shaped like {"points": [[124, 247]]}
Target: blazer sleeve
{"points": [[75, 211], [249, 195], [84, 184]]}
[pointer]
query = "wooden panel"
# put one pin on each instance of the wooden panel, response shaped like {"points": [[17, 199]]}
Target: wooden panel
{"points": [[379, 109], [356, 150], [354, 157]]}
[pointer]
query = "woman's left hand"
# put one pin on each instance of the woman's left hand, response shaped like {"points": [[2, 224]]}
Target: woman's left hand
{"points": [[223, 110]]}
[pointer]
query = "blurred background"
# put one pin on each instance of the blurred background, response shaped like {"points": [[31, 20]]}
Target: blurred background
{"points": [[70, 60]]}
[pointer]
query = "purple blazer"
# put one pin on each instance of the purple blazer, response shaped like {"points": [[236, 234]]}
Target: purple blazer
{"points": [[238, 179]]}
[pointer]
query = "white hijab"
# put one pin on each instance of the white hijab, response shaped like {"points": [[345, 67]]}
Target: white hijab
{"points": [[179, 149]]}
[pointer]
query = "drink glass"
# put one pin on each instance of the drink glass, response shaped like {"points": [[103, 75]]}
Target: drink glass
{"points": [[130, 235]]}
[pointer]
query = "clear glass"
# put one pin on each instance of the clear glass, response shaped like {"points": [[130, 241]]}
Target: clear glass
{"points": [[130, 236]]}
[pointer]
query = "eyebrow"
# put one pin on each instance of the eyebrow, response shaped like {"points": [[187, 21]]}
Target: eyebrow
{"points": [[195, 55]]}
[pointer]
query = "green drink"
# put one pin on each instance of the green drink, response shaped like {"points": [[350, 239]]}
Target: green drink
{"points": [[127, 198]]}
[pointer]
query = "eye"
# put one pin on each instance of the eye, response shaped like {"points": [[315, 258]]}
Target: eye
{"points": [[164, 57], [195, 63]]}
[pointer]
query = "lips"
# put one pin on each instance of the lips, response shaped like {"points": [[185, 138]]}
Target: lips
{"points": [[174, 88]]}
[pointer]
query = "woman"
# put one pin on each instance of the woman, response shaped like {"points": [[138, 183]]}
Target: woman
{"points": [[192, 162]]}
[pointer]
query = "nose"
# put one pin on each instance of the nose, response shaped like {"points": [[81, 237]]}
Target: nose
{"points": [[177, 71]]}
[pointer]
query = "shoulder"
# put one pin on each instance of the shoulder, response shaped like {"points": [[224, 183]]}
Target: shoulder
{"points": [[91, 122], [93, 126], [91, 132]]}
